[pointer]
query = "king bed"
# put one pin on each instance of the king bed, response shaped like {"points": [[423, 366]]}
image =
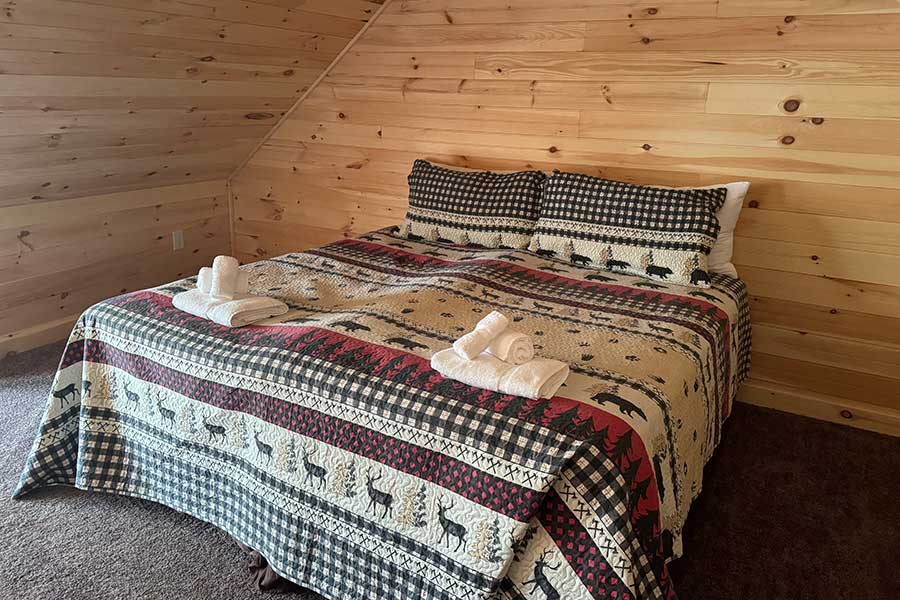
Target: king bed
{"points": [[323, 439]]}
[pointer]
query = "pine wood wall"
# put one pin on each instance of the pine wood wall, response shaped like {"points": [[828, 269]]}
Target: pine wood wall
{"points": [[802, 98], [101, 97]]}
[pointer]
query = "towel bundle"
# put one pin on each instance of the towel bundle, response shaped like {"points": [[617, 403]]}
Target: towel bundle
{"points": [[204, 281], [222, 296], [476, 341], [492, 336], [499, 359], [538, 378]]}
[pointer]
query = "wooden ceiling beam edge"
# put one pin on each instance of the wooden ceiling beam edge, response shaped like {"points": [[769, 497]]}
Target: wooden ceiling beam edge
{"points": [[287, 114]]}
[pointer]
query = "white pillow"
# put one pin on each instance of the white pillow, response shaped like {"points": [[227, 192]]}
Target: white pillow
{"points": [[720, 256]]}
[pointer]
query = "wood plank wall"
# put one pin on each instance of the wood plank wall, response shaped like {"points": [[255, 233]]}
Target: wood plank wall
{"points": [[106, 96], [802, 98], [56, 259]]}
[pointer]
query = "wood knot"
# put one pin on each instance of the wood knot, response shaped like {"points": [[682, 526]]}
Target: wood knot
{"points": [[288, 72], [833, 311], [645, 40], [652, 11], [817, 120], [207, 59], [258, 116], [192, 70], [815, 257], [552, 149], [753, 204], [21, 237], [791, 105], [789, 19], [788, 140], [846, 414], [647, 147], [341, 115]]}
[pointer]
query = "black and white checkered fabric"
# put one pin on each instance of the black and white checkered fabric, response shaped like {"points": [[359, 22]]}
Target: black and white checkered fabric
{"points": [[326, 442], [473, 207], [659, 233]]}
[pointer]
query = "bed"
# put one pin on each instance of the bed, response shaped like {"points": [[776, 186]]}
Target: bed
{"points": [[323, 440]]}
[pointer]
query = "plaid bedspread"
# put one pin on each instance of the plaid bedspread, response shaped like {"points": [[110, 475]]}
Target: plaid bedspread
{"points": [[324, 440]]}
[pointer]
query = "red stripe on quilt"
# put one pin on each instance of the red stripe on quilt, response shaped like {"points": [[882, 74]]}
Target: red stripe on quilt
{"points": [[499, 495], [619, 441]]}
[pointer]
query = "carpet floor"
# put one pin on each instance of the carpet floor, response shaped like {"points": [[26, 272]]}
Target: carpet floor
{"points": [[792, 508]]}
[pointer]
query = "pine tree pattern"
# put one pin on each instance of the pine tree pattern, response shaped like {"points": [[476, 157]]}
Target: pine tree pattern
{"points": [[103, 388], [344, 482], [487, 541], [577, 322], [520, 545], [286, 455], [413, 510], [187, 420]]}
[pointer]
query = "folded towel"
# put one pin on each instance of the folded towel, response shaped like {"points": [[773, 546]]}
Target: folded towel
{"points": [[475, 342], [196, 302], [224, 277], [538, 378], [512, 347], [244, 311], [204, 281]]}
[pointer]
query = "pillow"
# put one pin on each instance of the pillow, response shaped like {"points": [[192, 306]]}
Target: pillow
{"points": [[658, 233], [720, 256], [478, 208]]}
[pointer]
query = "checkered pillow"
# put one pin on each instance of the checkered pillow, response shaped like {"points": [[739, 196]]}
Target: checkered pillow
{"points": [[480, 208], [658, 233]]}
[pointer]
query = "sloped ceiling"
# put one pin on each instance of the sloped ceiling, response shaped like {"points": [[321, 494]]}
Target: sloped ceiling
{"points": [[108, 95]]}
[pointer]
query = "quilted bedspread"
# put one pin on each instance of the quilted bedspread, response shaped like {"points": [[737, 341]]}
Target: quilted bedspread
{"points": [[324, 440]]}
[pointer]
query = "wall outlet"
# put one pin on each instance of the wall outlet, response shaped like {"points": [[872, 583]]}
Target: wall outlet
{"points": [[177, 239]]}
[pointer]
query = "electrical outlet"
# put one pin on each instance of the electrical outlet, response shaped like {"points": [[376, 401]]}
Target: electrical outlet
{"points": [[177, 239]]}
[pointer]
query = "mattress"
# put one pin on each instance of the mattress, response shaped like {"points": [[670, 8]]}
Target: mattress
{"points": [[324, 440]]}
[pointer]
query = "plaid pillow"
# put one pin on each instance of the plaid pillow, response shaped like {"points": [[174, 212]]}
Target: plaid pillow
{"points": [[658, 233], [478, 208]]}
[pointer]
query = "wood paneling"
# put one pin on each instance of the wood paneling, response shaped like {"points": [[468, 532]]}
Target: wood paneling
{"points": [[58, 257], [100, 98], [800, 97]]}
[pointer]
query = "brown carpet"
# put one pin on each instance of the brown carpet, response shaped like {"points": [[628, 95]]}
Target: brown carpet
{"points": [[792, 509]]}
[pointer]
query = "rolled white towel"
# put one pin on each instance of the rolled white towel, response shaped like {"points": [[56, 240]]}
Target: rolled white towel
{"points": [[204, 281], [224, 277], [512, 346], [476, 341], [539, 378], [244, 311], [196, 302]]}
